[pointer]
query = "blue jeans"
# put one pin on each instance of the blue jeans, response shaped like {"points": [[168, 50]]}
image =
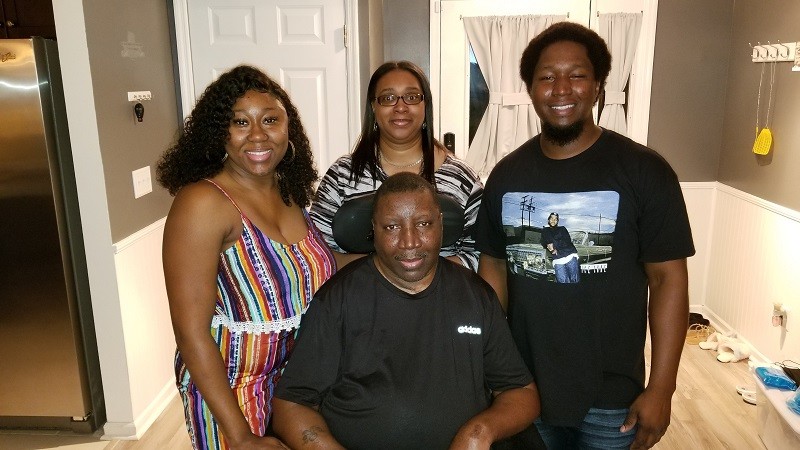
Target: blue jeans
{"points": [[599, 430], [569, 272]]}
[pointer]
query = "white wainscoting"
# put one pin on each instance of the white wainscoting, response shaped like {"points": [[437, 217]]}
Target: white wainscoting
{"points": [[147, 330], [753, 262], [699, 199]]}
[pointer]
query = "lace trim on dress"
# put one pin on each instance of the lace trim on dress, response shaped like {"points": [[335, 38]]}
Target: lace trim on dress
{"points": [[274, 326]]}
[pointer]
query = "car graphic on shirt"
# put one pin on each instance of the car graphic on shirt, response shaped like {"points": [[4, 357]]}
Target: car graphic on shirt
{"points": [[533, 260]]}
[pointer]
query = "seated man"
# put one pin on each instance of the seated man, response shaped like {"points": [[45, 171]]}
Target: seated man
{"points": [[404, 349]]}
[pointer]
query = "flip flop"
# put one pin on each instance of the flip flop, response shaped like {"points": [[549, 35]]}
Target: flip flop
{"points": [[749, 398], [742, 390]]}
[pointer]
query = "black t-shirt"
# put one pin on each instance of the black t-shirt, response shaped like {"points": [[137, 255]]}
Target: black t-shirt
{"points": [[390, 369], [623, 207]]}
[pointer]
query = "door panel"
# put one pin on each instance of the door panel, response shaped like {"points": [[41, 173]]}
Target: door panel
{"points": [[300, 43]]}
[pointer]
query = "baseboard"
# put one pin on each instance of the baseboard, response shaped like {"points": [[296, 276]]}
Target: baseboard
{"points": [[723, 327], [134, 431], [119, 431]]}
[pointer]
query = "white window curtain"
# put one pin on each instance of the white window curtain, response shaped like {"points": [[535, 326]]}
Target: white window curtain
{"points": [[509, 120], [621, 33]]}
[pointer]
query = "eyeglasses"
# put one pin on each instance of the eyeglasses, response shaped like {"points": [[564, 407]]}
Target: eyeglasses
{"points": [[391, 99]]}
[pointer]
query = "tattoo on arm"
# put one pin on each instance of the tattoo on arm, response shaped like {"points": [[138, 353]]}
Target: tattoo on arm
{"points": [[311, 434]]}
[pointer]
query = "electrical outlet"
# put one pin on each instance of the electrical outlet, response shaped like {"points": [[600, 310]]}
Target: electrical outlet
{"points": [[139, 96], [142, 184]]}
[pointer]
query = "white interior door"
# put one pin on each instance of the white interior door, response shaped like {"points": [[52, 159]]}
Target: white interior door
{"points": [[300, 43]]}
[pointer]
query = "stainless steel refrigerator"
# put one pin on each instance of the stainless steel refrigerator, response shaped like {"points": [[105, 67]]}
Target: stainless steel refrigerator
{"points": [[49, 370]]}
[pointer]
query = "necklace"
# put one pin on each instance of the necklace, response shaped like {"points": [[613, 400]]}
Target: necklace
{"points": [[384, 159]]}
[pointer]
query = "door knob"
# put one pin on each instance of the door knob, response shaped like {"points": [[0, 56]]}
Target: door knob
{"points": [[450, 141], [10, 24]]}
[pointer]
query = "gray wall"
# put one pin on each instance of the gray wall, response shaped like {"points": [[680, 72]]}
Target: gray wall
{"points": [[771, 177], [370, 24], [705, 88], [406, 31], [125, 145], [690, 69]]}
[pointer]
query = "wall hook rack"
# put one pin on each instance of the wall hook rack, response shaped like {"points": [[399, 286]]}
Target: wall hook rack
{"points": [[770, 52]]}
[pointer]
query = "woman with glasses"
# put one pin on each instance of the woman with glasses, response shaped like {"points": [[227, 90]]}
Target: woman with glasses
{"points": [[397, 136]]}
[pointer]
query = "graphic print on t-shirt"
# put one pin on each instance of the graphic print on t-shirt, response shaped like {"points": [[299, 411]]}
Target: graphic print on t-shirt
{"points": [[559, 237]]}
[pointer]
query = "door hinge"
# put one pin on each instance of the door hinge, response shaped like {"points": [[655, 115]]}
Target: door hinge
{"points": [[344, 35]]}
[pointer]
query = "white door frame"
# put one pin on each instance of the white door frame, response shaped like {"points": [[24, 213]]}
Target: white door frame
{"points": [[642, 73], [353, 100]]}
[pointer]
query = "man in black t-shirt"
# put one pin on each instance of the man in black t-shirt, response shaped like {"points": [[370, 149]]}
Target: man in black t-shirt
{"points": [[404, 349], [623, 206]]}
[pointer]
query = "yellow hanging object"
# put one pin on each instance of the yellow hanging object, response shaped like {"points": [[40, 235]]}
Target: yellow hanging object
{"points": [[763, 142]]}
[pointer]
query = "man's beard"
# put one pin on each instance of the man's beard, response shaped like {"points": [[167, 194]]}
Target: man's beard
{"points": [[562, 136]]}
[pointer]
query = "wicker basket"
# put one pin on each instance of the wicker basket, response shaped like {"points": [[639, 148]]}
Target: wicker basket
{"points": [[698, 333]]}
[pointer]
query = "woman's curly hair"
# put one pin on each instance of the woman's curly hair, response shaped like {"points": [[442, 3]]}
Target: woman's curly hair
{"points": [[200, 149]]}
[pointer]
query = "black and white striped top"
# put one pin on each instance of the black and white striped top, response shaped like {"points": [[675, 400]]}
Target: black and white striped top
{"points": [[454, 178]]}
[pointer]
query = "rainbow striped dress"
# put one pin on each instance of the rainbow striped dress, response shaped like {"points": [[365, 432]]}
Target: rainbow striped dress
{"points": [[263, 288]]}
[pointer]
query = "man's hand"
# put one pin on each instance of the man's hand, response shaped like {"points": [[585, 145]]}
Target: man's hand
{"points": [[669, 316], [651, 411], [511, 411]]}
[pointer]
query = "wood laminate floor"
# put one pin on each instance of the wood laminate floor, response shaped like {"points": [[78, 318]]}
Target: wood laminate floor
{"points": [[707, 413]]}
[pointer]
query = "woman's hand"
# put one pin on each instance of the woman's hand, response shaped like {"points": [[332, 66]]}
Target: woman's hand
{"points": [[253, 442]]}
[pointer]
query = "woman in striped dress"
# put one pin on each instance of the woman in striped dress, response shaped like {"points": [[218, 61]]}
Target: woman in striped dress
{"points": [[397, 136], [242, 259]]}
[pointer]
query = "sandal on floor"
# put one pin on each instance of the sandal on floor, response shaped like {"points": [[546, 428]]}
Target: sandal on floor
{"points": [[749, 398], [742, 390], [698, 333], [711, 343], [732, 350]]}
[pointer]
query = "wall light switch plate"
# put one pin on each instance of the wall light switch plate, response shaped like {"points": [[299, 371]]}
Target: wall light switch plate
{"points": [[142, 183], [139, 96]]}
